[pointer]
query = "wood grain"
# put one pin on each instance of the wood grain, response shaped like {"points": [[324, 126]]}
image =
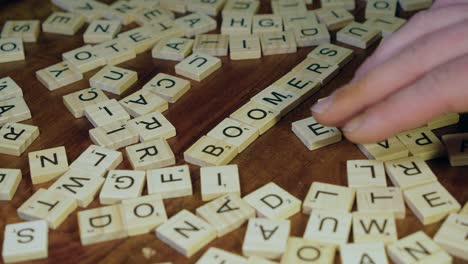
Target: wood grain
{"points": [[276, 156]]}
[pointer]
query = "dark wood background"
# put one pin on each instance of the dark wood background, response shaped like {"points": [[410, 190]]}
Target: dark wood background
{"points": [[276, 156]]}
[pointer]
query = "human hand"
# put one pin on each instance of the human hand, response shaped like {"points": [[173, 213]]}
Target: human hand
{"points": [[415, 75]]}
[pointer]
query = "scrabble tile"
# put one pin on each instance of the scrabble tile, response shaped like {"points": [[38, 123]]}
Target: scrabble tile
{"points": [[178, 6], [9, 182], [174, 48], [49, 205], [409, 172], [121, 185], [115, 51], [25, 241], [100, 224], [216, 181], [302, 251], [47, 164], [196, 23], [198, 66], [444, 120], [451, 236], [58, 76], [151, 154], [114, 136], [89, 9], [317, 69], [27, 30], [114, 79], [141, 38], [226, 213], [385, 24], [278, 43], [235, 25], [97, 159], [208, 151], [259, 260], [143, 102], [122, 10], [388, 149], [366, 173], [380, 8], [363, 253], [273, 202], [288, 6], [211, 44], [14, 110], [235, 133], [216, 255], [153, 14], [211, 7], [299, 83], [76, 102], [414, 5], [266, 23], [186, 233], [169, 87], [240, 7], [15, 138], [330, 227], [334, 19], [464, 210], [244, 47], [312, 34], [417, 248], [143, 214], [299, 20], [333, 4], [11, 49], [374, 228], [358, 35], [456, 145], [257, 115], [152, 126], [105, 113], [100, 31], [170, 182], [83, 59], [422, 142], [332, 54], [266, 238], [324, 196], [79, 185], [431, 202], [168, 28], [9, 89], [381, 200], [315, 135], [63, 23]]}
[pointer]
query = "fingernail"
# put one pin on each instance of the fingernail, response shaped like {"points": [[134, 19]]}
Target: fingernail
{"points": [[322, 105], [353, 125]]}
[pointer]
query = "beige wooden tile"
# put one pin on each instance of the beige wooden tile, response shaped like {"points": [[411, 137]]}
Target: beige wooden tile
{"points": [[385, 150], [170, 182], [414, 5], [152, 14], [90, 9], [278, 43], [422, 143], [9, 182], [409, 172], [417, 248], [358, 35], [115, 51], [444, 120], [332, 54], [330, 227], [257, 115], [374, 228], [167, 28], [244, 47], [83, 59], [366, 173], [9, 89], [452, 236], [312, 34], [324, 196], [334, 18], [121, 185], [315, 135], [15, 138], [14, 110], [211, 44], [47, 164], [58, 76], [303, 251], [208, 151], [266, 238], [98, 160], [278, 98], [380, 8], [240, 7], [174, 48], [431, 202], [178, 6], [211, 7], [464, 210], [186, 233], [143, 102], [235, 133], [114, 136], [80, 185], [27, 30], [381, 200], [25, 241], [63, 23], [76, 102], [226, 213], [105, 113], [283, 7], [266, 23], [456, 145], [386, 24], [237, 25], [273, 202], [363, 253], [169, 87], [122, 10], [317, 69], [196, 23], [114, 79], [143, 214], [333, 4], [152, 126], [198, 66], [219, 180], [216, 255], [151, 154], [259, 260], [298, 83], [49, 205], [100, 31], [100, 225], [141, 38], [299, 20]]}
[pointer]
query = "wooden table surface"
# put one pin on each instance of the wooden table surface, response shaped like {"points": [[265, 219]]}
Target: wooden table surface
{"points": [[276, 156]]}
